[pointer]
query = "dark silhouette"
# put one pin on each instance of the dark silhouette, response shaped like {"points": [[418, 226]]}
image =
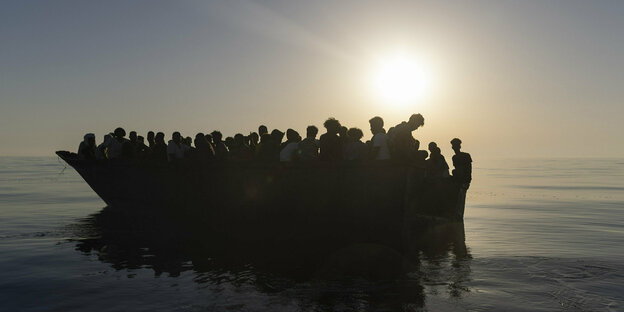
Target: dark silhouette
{"points": [[203, 147], [437, 168], [221, 151], [309, 147], [401, 139], [150, 139], [120, 147], [239, 150], [175, 148], [253, 141], [419, 155], [289, 151], [86, 149], [262, 130], [355, 149], [379, 142], [159, 150], [102, 150], [330, 142], [140, 149], [462, 162]]}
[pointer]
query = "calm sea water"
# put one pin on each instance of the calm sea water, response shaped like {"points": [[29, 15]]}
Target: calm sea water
{"points": [[540, 235]]}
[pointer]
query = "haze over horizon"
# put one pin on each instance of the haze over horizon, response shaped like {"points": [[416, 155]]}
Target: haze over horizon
{"points": [[510, 78]]}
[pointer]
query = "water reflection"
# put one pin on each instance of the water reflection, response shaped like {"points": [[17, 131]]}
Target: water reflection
{"points": [[354, 277]]}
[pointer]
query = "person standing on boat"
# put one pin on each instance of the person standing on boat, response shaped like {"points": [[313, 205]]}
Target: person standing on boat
{"points": [[462, 162], [379, 149], [330, 142], [221, 151], [437, 167], [462, 174], [309, 147], [402, 143], [175, 150], [120, 147], [159, 150], [288, 153], [86, 150]]}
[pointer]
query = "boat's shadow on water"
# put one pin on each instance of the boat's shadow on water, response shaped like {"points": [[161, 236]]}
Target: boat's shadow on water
{"points": [[320, 274]]}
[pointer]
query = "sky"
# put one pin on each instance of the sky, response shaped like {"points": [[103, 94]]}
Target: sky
{"points": [[510, 78]]}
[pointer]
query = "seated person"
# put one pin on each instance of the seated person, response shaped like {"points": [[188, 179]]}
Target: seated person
{"points": [[87, 147]]}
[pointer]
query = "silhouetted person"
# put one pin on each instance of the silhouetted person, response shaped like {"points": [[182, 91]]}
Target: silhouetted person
{"points": [[355, 149], [263, 150], [175, 148], [288, 153], [420, 156], [141, 150], [253, 141], [308, 148], [379, 142], [276, 144], [150, 139], [239, 150], [330, 142], [462, 162], [221, 151], [262, 130], [205, 151], [101, 151], [401, 139], [120, 147], [159, 150], [86, 149], [437, 167]]}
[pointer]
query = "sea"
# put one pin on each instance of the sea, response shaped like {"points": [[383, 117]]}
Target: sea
{"points": [[538, 235]]}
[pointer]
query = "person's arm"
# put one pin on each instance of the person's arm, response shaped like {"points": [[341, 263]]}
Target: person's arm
{"points": [[374, 151]]}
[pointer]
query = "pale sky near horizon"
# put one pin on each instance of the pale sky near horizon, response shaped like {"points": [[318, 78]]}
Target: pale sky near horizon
{"points": [[510, 78]]}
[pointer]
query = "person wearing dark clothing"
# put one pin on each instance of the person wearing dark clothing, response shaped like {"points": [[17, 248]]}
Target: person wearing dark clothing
{"points": [[437, 168], [262, 130], [159, 150], [355, 149], [401, 139], [419, 155], [140, 149], [120, 147], [462, 163], [150, 139], [204, 150], [330, 142], [253, 141], [263, 150], [239, 150], [87, 147], [221, 151], [309, 147]]}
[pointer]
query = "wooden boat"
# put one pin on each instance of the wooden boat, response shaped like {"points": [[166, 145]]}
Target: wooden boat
{"points": [[296, 202]]}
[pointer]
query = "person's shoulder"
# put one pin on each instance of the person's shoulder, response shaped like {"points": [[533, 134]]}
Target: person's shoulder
{"points": [[467, 156]]}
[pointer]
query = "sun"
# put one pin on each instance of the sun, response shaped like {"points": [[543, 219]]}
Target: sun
{"points": [[400, 80]]}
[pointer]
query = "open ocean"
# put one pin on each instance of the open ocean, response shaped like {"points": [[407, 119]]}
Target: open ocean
{"points": [[540, 235]]}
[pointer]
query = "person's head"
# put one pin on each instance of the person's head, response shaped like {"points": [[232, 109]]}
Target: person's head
{"points": [[89, 139], [332, 125], [160, 138], [176, 137], [188, 141], [253, 138], [120, 133], [355, 133], [376, 124], [291, 135], [199, 139], [150, 136], [415, 121], [208, 138], [107, 138], [343, 131], [229, 141], [277, 136], [132, 136], [217, 136], [456, 145], [262, 130], [432, 146], [141, 139], [239, 139], [311, 132]]}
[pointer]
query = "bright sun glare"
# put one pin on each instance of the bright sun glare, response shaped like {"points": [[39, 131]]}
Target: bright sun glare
{"points": [[400, 80]]}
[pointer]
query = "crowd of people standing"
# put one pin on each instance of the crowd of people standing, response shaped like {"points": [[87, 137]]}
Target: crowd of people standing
{"points": [[339, 143]]}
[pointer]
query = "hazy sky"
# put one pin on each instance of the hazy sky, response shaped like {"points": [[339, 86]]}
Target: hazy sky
{"points": [[511, 78]]}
